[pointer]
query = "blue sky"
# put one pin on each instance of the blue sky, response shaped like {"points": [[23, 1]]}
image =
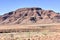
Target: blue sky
{"points": [[11, 5]]}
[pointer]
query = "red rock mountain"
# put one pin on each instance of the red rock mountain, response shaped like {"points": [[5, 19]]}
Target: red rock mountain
{"points": [[29, 16]]}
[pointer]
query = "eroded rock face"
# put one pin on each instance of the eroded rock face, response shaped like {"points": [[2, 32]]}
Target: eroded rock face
{"points": [[29, 16]]}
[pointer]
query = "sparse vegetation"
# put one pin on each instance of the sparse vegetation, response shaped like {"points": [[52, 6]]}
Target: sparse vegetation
{"points": [[33, 36]]}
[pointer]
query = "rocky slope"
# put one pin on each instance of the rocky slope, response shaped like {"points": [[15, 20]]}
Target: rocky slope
{"points": [[29, 16]]}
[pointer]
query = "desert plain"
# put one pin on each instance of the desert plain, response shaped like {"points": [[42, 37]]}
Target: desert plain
{"points": [[30, 32]]}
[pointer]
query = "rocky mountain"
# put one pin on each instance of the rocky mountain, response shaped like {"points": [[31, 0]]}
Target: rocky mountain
{"points": [[29, 16]]}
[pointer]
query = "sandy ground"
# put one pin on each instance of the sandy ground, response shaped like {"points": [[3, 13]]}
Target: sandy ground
{"points": [[30, 26], [51, 27]]}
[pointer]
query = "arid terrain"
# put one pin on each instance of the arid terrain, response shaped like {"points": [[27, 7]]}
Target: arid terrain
{"points": [[30, 24], [30, 16], [30, 36], [30, 32]]}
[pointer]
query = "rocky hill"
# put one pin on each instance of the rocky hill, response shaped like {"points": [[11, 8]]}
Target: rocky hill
{"points": [[30, 16]]}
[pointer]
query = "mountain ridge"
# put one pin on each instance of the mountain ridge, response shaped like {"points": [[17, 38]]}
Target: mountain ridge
{"points": [[29, 16]]}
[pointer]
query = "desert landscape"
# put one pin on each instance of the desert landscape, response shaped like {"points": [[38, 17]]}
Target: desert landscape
{"points": [[30, 24], [30, 32]]}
